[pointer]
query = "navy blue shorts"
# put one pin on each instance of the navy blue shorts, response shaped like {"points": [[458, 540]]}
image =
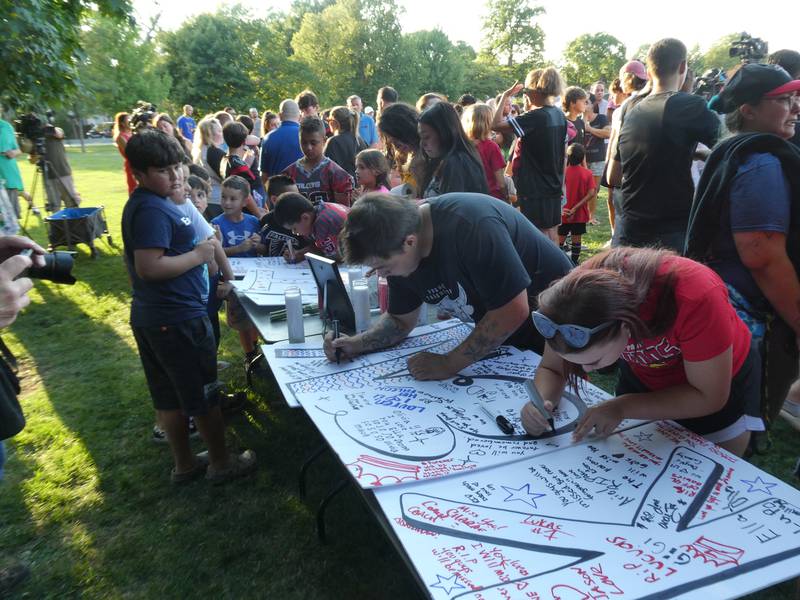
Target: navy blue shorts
{"points": [[180, 363]]}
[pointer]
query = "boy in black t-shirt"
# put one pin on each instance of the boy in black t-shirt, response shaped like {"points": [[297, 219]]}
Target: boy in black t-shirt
{"points": [[274, 236], [234, 163]]}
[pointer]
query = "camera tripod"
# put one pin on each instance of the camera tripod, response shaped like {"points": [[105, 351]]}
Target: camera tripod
{"points": [[41, 174]]}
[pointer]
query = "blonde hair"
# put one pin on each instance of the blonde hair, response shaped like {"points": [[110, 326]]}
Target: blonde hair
{"points": [[205, 129], [545, 82], [477, 121]]}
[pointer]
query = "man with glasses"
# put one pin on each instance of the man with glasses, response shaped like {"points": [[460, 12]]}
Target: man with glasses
{"points": [[472, 255]]}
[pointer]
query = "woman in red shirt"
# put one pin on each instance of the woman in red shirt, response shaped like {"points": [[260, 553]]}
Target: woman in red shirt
{"points": [[685, 353]]}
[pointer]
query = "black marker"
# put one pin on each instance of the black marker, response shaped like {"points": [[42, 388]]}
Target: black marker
{"points": [[538, 402], [503, 423], [335, 325]]}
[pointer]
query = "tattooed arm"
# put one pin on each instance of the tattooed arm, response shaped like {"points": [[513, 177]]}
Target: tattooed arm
{"points": [[493, 329], [387, 331]]}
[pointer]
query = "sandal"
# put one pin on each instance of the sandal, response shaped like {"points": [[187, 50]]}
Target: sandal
{"points": [[200, 466], [239, 466]]}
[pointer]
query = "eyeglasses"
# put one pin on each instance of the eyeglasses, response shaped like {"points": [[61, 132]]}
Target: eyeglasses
{"points": [[787, 101], [575, 335]]}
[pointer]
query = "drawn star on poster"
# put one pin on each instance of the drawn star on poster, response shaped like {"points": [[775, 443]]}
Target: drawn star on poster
{"points": [[644, 436], [516, 495], [759, 485], [447, 584]]}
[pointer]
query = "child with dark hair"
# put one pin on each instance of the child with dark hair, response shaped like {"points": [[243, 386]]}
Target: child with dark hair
{"points": [[372, 170], [318, 177], [345, 143], [238, 233], [168, 313], [450, 162], [252, 158], [580, 191], [277, 239], [574, 105], [235, 164], [321, 222]]}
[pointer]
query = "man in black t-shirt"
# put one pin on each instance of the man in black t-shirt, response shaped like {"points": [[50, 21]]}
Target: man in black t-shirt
{"points": [[651, 158], [470, 254]]}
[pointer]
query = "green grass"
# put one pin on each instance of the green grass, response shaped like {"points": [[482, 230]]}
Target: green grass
{"points": [[87, 500]]}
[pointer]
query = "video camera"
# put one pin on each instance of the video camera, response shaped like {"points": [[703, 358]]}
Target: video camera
{"points": [[748, 48], [34, 128], [709, 83], [142, 115]]}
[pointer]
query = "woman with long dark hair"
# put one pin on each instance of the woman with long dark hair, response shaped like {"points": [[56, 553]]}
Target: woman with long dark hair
{"points": [[397, 125], [449, 162], [685, 353]]}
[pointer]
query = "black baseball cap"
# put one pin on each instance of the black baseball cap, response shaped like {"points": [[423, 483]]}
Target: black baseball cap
{"points": [[751, 83]]}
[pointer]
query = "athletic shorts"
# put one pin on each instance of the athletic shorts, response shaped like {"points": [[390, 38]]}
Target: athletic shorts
{"points": [[573, 228], [545, 213], [180, 364]]}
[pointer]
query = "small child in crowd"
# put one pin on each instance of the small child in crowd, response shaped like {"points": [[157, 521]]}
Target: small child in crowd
{"points": [[321, 222], [168, 313], [239, 235], [220, 273], [235, 163], [580, 190], [277, 239], [318, 177], [477, 122], [372, 172]]}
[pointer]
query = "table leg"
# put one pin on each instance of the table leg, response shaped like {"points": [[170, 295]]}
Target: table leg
{"points": [[324, 504]]}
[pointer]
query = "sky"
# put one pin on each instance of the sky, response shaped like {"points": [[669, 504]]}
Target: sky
{"points": [[692, 21]]}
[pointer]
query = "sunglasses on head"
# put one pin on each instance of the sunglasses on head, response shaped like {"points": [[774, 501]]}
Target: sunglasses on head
{"points": [[576, 336]]}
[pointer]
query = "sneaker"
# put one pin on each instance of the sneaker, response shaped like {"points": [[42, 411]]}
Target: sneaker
{"points": [[11, 577], [222, 365], [239, 466], [200, 466], [793, 408], [160, 436]]}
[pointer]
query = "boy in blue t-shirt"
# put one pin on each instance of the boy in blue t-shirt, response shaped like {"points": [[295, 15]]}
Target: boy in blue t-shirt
{"points": [[168, 313], [239, 234]]}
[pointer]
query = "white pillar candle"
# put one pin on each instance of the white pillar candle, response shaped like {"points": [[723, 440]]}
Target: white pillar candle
{"points": [[360, 301], [294, 315]]}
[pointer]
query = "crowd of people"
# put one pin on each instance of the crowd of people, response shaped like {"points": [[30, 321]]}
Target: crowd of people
{"points": [[479, 208]]}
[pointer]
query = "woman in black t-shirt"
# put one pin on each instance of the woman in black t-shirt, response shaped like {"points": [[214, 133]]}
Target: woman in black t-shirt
{"points": [[345, 143], [538, 161]]}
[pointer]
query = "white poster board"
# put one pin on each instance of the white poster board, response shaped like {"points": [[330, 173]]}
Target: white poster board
{"points": [[265, 279], [390, 429], [652, 512]]}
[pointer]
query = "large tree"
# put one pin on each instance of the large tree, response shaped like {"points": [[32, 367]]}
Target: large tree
{"points": [[510, 33], [210, 57], [437, 65], [591, 57], [119, 68], [41, 48], [351, 47]]}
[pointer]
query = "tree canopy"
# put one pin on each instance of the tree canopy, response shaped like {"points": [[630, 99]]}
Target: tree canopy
{"points": [[41, 48], [591, 57]]}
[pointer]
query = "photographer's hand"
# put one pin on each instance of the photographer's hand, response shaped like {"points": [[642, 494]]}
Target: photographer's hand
{"points": [[13, 292], [11, 245]]}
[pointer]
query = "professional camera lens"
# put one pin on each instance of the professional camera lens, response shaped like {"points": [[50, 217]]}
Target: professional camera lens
{"points": [[57, 268]]}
